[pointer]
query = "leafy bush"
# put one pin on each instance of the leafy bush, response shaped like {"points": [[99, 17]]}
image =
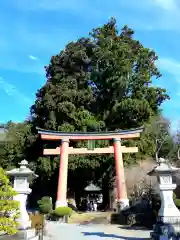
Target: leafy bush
{"points": [[9, 208], [45, 209], [176, 200], [45, 205], [177, 203], [62, 211]]}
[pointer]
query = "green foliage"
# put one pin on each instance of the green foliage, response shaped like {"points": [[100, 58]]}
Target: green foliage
{"points": [[19, 142], [101, 82], [45, 205], [8, 207], [176, 200], [2, 142], [62, 211], [177, 203]]}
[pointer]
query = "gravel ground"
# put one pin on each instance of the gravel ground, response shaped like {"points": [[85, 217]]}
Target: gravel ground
{"points": [[56, 231]]}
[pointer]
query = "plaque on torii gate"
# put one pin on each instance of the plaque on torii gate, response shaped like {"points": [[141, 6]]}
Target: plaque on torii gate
{"points": [[64, 150]]}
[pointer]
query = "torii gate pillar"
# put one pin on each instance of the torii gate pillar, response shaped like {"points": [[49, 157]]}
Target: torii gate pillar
{"points": [[122, 200], [61, 200]]}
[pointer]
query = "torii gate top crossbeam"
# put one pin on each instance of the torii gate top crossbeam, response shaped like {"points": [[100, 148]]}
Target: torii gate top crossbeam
{"points": [[122, 134]]}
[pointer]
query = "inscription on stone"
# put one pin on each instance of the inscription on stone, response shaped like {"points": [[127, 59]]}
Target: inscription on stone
{"points": [[165, 179], [172, 220], [20, 182]]}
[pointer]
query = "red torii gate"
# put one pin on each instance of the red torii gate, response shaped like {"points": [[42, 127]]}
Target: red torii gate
{"points": [[63, 150]]}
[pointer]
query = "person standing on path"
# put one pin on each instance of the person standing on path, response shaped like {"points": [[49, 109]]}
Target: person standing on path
{"points": [[95, 206]]}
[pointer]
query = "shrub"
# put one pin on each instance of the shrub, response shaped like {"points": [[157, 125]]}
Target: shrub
{"points": [[177, 203], [8, 221], [176, 200], [45, 209], [63, 211], [45, 205]]}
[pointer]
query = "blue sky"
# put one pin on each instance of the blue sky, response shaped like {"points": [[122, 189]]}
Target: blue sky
{"points": [[33, 31]]}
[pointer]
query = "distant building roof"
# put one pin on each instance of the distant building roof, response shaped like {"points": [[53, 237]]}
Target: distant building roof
{"points": [[92, 188]]}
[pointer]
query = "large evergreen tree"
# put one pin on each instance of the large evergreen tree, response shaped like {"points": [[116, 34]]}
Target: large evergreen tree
{"points": [[97, 83], [100, 82]]}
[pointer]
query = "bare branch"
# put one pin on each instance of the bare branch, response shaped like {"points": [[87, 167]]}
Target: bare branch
{"points": [[161, 144], [178, 154]]}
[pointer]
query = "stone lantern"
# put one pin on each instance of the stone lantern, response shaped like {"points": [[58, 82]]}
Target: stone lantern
{"points": [[167, 226], [21, 178]]}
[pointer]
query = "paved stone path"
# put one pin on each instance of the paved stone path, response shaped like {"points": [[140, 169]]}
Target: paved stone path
{"points": [[57, 231]]}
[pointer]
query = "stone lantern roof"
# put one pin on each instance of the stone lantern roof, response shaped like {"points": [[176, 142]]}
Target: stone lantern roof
{"points": [[164, 167], [23, 171]]}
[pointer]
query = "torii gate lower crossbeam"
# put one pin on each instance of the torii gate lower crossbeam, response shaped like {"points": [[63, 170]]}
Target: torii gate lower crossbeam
{"points": [[64, 150]]}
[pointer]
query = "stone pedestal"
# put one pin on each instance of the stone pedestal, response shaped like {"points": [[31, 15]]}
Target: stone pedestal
{"points": [[122, 204], [28, 234], [23, 219], [168, 221]]}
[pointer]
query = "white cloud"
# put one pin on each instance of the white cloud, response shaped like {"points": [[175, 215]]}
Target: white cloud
{"points": [[33, 57], [12, 91], [171, 66], [168, 5], [17, 50], [37, 40], [156, 14], [166, 15], [12, 63]]}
